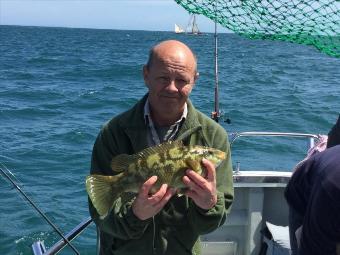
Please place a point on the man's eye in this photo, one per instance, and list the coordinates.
(164, 79)
(182, 81)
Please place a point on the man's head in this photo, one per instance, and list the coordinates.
(170, 75)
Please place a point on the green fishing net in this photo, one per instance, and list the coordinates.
(307, 22)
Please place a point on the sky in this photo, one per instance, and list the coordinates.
(155, 15)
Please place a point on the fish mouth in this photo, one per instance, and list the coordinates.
(218, 163)
(221, 155)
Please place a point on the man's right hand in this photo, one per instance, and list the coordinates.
(145, 205)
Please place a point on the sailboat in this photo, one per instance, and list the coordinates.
(192, 27)
(178, 29)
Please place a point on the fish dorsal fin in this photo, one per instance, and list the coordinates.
(121, 162)
(163, 147)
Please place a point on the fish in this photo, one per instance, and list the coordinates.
(168, 161)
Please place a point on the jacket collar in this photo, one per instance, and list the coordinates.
(133, 124)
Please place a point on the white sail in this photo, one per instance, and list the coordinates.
(178, 29)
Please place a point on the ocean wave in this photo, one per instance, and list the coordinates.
(45, 61)
(29, 113)
(17, 75)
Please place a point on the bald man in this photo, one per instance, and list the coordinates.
(163, 222)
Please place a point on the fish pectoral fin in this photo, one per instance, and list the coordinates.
(121, 163)
(193, 164)
(102, 193)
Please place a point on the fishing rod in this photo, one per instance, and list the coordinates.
(215, 115)
(37, 209)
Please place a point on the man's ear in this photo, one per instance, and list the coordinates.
(197, 74)
(146, 75)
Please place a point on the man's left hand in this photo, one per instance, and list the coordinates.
(202, 190)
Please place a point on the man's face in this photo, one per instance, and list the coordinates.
(170, 80)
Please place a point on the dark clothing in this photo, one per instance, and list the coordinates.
(176, 229)
(334, 135)
(295, 221)
(314, 193)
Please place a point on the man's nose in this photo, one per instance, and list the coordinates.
(172, 85)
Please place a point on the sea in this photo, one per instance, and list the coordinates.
(58, 86)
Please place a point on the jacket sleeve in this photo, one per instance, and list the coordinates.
(121, 221)
(206, 221)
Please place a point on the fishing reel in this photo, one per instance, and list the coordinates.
(220, 115)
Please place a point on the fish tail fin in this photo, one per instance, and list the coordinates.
(102, 192)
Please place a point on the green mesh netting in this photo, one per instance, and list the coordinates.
(307, 22)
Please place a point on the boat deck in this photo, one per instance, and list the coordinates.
(258, 199)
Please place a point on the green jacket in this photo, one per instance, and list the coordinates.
(176, 229)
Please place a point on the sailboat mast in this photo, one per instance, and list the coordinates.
(193, 28)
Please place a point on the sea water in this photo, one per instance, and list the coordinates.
(58, 86)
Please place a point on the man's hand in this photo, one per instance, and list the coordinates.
(202, 190)
(145, 205)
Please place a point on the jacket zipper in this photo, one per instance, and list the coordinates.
(153, 236)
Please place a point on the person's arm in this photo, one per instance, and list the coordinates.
(207, 219)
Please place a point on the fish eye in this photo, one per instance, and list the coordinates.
(206, 153)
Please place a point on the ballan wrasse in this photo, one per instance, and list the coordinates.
(168, 161)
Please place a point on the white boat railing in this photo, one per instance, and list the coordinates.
(312, 137)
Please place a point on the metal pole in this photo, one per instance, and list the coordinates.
(69, 236)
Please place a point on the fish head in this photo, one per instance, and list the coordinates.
(215, 156)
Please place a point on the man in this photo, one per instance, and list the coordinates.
(313, 195)
(164, 223)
